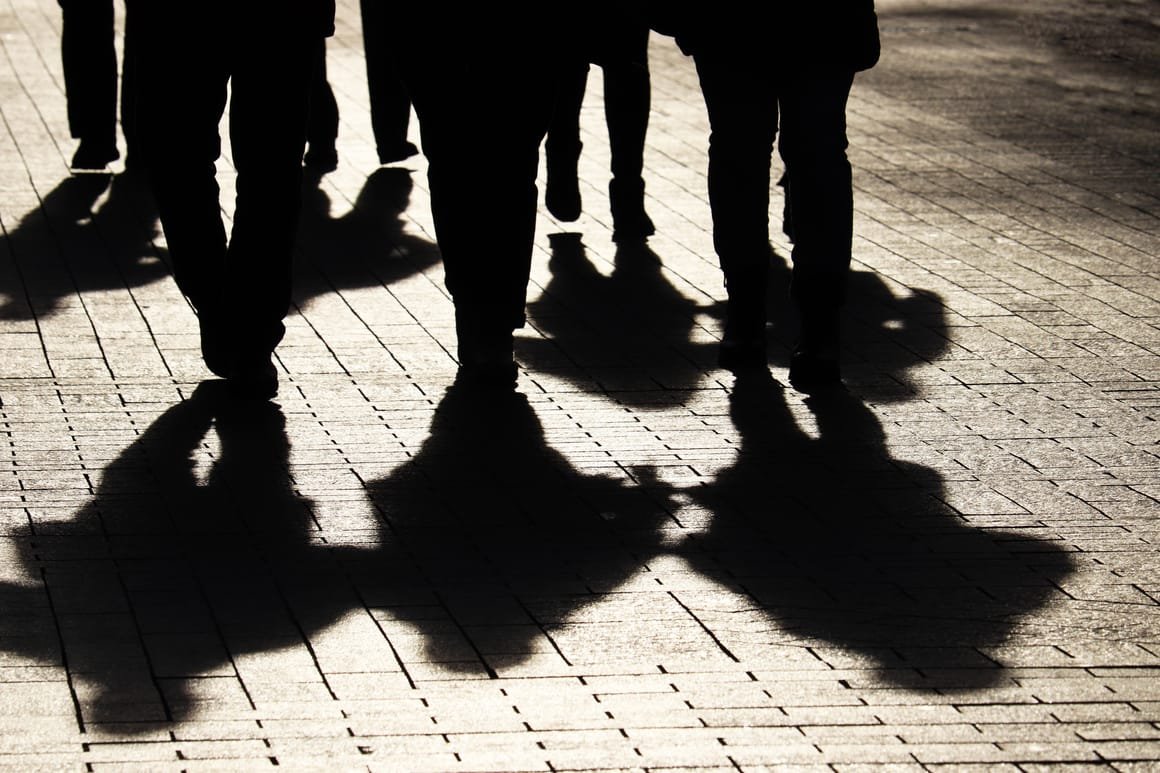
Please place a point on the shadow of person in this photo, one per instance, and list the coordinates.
(856, 554)
(634, 335)
(64, 246)
(632, 332)
(171, 576)
(494, 543)
(368, 246)
(887, 330)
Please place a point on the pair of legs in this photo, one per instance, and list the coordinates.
(89, 60)
(390, 103)
(746, 97)
(621, 51)
(240, 287)
(482, 115)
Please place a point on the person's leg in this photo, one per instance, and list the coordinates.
(182, 94)
(322, 126)
(562, 147)
(268, 115)
(741, 99)
(129, 84)
(813, 146)
(483, 204)
(627, 96)
(390, 104)
(89, 60)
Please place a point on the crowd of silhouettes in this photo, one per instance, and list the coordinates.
(499, 85)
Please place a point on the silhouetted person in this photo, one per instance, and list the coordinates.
(483, 110)
(265, 52)
(390, 104)
(620, 46)
(322, 127)
(761, 70)
(89, 59)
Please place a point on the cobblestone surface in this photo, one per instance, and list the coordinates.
(634, 563)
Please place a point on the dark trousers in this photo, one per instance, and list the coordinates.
(390, 103)
(89, 60)
(189, 56)
(482, 115)
(745, 99)
(322, 126)
(621, 51)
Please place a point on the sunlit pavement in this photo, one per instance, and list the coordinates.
(635, 562)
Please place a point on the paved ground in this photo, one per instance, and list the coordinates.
(635, 563)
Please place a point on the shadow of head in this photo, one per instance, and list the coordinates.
(75, 242)
(187, 557)
(623, 324)
(856, 553)
(491, 537)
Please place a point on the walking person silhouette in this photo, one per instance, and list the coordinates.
(89, 59)
(794, 66)
(263, 54)
(618, 43)
(483, 111)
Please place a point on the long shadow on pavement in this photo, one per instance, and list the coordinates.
(634, 336)
(366, 247)
(496, 541)
(64, 247)
(154, 594)
(844, 549)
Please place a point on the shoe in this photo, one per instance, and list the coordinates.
(216, 351)
(321, 159)
(255, 379)
(741, 355)
(488, 376)
(486, 354)
(630, 223)
(397, 152)
(743, 344)
(562, 196)
(562, 192)
(91, 155)
(814, 374)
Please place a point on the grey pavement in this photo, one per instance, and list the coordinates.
(634, 563)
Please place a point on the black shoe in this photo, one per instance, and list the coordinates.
(394, 153)
(814, 374)
(216, 351)
(742, 354)
(488, 376)
(321, 159)
(94, 156)
(630, 223)
(562, 195)
(255, 379)
(485, 352)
